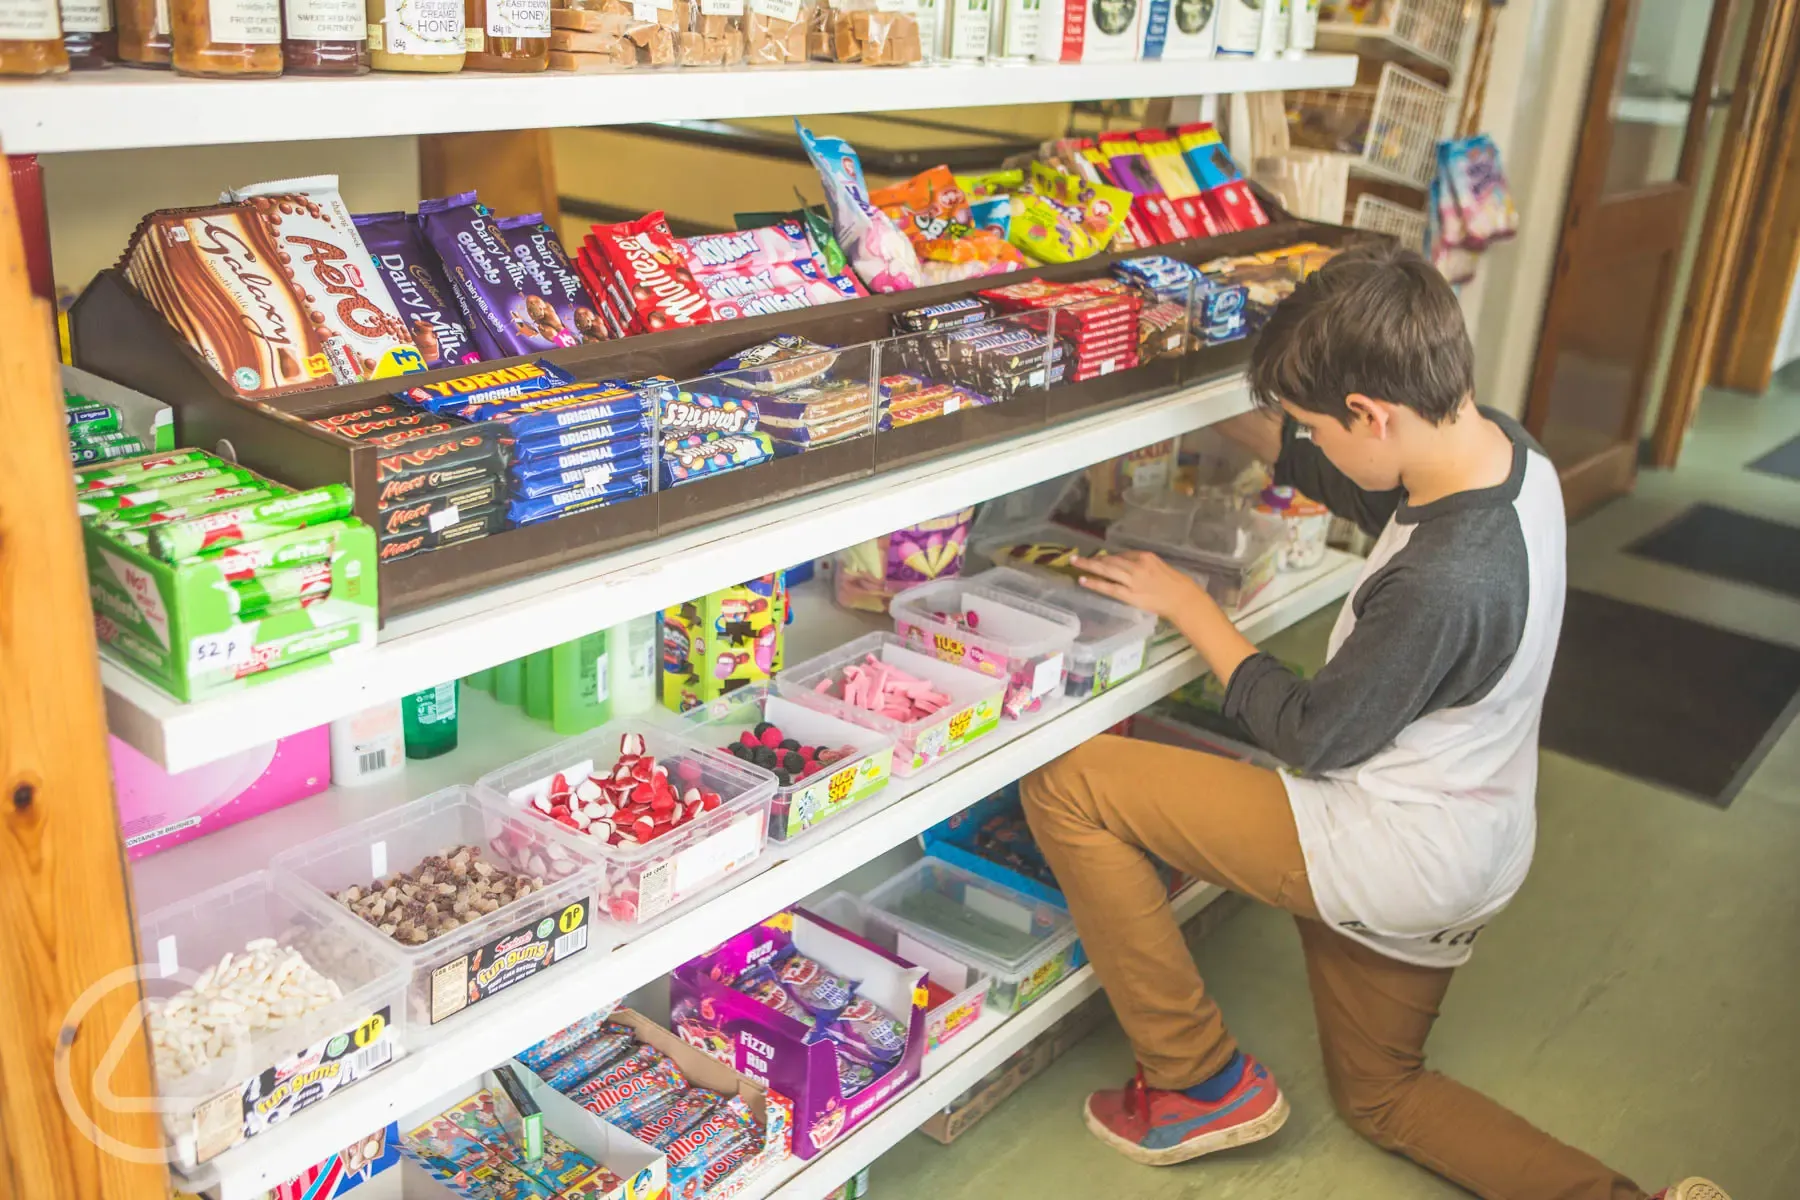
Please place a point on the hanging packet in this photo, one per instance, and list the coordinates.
(879, 253)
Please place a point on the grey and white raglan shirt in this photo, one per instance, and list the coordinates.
(1416, 744)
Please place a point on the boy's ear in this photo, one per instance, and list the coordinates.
(1367, 409)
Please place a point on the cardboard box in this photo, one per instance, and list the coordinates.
(1026, 1064)
(773, 1112)
(722, 641)
(772, 1047)
(158, 810)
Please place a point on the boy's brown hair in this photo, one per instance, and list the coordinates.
(1375, 320)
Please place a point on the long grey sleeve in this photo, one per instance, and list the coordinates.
(1304, 467)
(1435, 627)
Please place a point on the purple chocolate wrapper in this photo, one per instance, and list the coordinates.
(487, 279)
(419, 289)
(552, 277)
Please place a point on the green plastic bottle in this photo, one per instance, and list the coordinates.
(538, 685)
(428, 720)
(581, 692)
(482, 680)
(509, 682)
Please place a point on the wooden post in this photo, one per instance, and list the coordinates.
(64, 902)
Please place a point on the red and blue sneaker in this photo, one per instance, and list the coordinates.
(1693, 1189)
(1160, 1128)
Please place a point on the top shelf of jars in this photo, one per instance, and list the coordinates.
(121, 108)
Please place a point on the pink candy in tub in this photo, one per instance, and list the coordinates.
(1024, 642)
(929, 707)
(158, 810)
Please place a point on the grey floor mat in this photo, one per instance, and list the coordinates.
(1680, 704)
(1728, 544)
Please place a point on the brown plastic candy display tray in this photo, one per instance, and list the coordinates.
(120, 336)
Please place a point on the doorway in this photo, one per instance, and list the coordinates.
(1654, 102)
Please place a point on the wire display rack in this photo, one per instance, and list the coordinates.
(1431, 30)
(1389, 129)
(1378, 215)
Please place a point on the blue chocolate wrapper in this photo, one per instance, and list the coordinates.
(576, 499)
(783, 361)
(419, 289)
(533, 487)
(499, 383)
(542, 446)
(687, 459)
(579, 405)
(576, 462)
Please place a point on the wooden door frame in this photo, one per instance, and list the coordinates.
(1760, 123)
(64, 889)
(1605, 474)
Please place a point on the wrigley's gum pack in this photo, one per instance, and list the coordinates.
(247, 522)
(91, 418)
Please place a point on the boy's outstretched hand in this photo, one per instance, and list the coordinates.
(1145, 581)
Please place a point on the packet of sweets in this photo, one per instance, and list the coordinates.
(934, 212)
(277, 514)
(876, 248)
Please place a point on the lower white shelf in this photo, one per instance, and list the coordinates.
(509, 1022)
(949, 1071)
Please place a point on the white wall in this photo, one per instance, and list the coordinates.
(95, 200)
(1537, 88)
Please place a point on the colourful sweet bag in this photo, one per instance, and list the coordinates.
(1065, 218)
(870, 574)
(1471, 169)
(877, 250)
(934, 211)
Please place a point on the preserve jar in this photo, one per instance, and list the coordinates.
(416, 35)
(227, 39)
(31, 39)
(88, 34)
(507, 35)
(144, 32)
(324, 37)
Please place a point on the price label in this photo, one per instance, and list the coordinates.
(571, 918)
(370, 1031)
(220, 651)
(644, 10)
(442, 519)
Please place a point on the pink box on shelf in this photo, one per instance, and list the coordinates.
(158, 810)
(773, 1048)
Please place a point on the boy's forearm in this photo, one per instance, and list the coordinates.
(1212, 633)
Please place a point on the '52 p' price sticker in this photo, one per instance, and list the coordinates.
(220, 651)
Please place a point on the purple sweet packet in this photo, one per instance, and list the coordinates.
(866, 1031)
(556, 299)
(417, 285)
(489, 281)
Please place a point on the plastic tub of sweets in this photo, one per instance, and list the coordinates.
(803, 805)
(1020, 641)
(453, 971)
(973, 711)
(958, 991)
(1024, 946)
(640, 881)
(1043, 546)
(1114, 637)
(212, 1106)
(1231, 549)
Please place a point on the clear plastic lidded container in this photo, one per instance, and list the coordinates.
(1232, 549)
(1024, 642)
(453, 972)
(958, 991)
(362, 1031)
(1042, 546)
(806, 803)
(1114, 637)
(1024, 946)
(973, 711)
(641, 881)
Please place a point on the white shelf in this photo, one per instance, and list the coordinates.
(469, 634)
(125, 109)
(905, 809)
(948, 1072)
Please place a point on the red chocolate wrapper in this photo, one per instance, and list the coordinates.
(661, 291)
